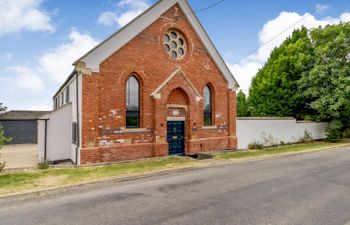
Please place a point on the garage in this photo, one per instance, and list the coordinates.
(21, 126)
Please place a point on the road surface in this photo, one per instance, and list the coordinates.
(304, 189)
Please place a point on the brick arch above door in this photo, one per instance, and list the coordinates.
(178, 97)
(177, 79)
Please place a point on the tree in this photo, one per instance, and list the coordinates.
(274, 89)
(327, 84)
(2, 108)
(242, 104)
(3, 139)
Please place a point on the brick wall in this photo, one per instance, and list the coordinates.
(104, 137)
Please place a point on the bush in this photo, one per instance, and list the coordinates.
(255, 145)
(2, 166)
(268, 140)
(307, 137)
(333, 131)
(43, 165)
(3, 140)
(346, 133)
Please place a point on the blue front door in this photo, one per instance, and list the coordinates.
(176, 137)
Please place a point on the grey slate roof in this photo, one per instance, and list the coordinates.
(22, 115)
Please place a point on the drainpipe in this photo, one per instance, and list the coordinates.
(45, 146)
(77, 108)
(45, 138)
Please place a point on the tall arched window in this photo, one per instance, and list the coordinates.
(132, 103)
(207, 100)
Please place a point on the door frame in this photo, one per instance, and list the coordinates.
(179, 119)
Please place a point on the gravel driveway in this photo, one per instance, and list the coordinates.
(19, 156)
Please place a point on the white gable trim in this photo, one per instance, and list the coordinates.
(156, 94)
(97, 55)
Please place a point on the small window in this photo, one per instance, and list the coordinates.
(58, 101)
(167, 48)
(55, 103)
(207, 101)
(166, 38)
(173, 34)
(67, 94)
(173, 45)
(74, 133)
(132, 103)
(173, 54)
(62, 98)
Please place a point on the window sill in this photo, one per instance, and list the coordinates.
(209, 127)
(134, 130)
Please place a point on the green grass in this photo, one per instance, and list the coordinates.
(275, 150)
(55, 177)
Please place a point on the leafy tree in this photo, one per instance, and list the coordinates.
(328, 82)
(3, 139)
(274, 89)
(333, 131)
(2, 108)
(242, 104)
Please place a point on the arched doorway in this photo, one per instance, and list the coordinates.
(177, 107)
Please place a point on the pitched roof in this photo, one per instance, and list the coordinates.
(93, 58)
(22, 115)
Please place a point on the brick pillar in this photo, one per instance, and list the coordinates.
(232, 139)
(160, 144)
(90, 110)
(194, 120)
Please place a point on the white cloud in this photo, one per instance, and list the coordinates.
(8, 56)
(134, 4)
(245, 69)
(321, 8)
(32, 85)
(107, 18)
(26, 79)
(57, 63)
(126, 11)
(345, 17)
(40, 107)
(18, 15)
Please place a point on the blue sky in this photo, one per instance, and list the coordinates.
(39, 39)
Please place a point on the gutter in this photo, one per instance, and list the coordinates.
(45, 139)
(78, 122)
(69, 78)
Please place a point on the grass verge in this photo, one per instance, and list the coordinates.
(57, 177)
(29, 181)
(304, 147)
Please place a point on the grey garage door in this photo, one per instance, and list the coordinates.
(21, 131)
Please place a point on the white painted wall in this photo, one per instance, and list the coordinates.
(58, 134)
(284, 129)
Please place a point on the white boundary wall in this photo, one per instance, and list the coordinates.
(58, 134)
(275, 129)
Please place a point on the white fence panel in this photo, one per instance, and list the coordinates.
(274, 130)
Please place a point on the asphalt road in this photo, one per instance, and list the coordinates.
(305, 189)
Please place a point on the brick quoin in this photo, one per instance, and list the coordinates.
(104, 137)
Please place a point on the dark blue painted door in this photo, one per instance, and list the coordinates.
(176, 137)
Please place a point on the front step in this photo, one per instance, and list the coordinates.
(201, 156)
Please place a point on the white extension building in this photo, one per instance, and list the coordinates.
(59, 138)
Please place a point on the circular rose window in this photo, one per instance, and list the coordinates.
(175, 44)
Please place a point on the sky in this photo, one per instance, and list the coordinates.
(40, 39)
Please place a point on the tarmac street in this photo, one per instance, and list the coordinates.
(304, 189)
